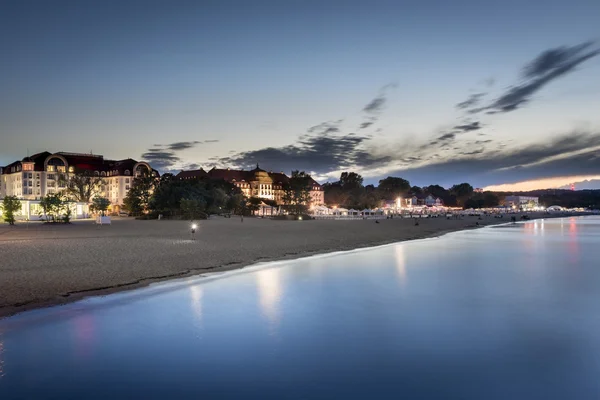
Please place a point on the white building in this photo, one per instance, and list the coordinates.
(521, 201)
(41, 174)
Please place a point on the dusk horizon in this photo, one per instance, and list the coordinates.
(434, 95)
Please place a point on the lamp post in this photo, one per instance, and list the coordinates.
(194, 227)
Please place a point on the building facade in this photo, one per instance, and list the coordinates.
(521, 201)
(44, 173)
(256, 183)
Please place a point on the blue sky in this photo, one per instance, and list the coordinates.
(190, 83)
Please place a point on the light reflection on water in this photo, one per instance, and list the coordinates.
(495, 313)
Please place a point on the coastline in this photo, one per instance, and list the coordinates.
(48, 281)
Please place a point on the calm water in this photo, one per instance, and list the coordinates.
(497, 313)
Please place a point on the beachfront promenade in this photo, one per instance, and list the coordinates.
(46, 264)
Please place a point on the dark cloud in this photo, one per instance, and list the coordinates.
(545, 68)
(473, 126)
(211, 141)
(473, 100)
(570, 154)
(161, 160)
(325, 128)
(447, 136)
(320, 153)
(365, 125)
(178, 146)
(376, 105)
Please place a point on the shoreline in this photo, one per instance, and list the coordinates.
(223, 262)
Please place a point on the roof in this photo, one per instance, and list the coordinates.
(81, 161)
(192, 174)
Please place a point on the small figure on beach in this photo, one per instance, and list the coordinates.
(417, 223)
(513, 219)
(376, 221)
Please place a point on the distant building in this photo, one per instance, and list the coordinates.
(255, 183)
(521, 201)
(419, 201)
(478, 190)
(34, 177)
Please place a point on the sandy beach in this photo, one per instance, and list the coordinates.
(43, 265)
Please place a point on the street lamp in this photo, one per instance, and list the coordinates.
(194, 227)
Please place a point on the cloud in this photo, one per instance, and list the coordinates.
(177, 146)
(365, 125)
(473, 126)
(211, 141)
(573, 153)
(473, 100)
(320, 153)
(325, 128)
(548, 66)
(163, 156)
(160, 160)
(447, 136)
(376, 105)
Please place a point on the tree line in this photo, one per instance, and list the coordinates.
(350, 192)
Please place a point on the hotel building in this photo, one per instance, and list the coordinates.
(256, 183)
(34, 177)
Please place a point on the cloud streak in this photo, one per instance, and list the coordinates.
(545, 68)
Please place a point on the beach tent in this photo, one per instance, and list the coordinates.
(366, 211)
(352, 211)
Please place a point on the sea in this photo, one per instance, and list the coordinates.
(505, 312)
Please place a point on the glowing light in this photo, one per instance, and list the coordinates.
(269, 291)
(194, 226)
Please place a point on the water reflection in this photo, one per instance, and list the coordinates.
(84, 334)
(268, 282)
(400, 259)
(196, 301)
(1, 357)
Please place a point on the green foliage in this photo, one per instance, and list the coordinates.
(192, 208)
(55, 208)
(10, 205)
(138, 198)
(462, 192)
(296, 193)
(350, 180)
(483, 200)
(391, 188)
(81, 186)
(214, 196)
(100, 204)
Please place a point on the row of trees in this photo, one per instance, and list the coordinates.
(349, 191)
(198, 198)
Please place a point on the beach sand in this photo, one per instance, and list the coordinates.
(43, 265)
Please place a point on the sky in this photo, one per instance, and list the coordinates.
(498, 94)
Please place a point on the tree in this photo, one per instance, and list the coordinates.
(296, 193)
(192, 208)
(138, 198)
(235, 203)
(100, 204)
(81, 186)
(253, 204)
(462, 192)
(10, 205)
(391, 187)
(55, 208)
(416, 191)
(350, 180)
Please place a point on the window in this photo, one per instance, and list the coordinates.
(30, 191)
(30, 175)
(30, 184)
(127, 187)
(51, 176)
(71, 169)
(126, 180)
(27, 167)
(102, 173)
(127, 172)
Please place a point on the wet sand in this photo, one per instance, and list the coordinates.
(42, 265)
